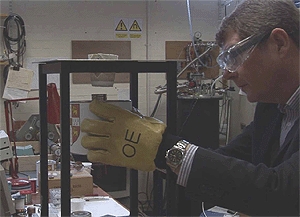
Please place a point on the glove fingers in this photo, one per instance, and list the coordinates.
(95, 127)
(95, 142)
(108, 111)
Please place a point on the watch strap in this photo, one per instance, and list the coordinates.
(182, 146)
(167, 142)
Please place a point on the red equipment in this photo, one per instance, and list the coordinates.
(53, 107)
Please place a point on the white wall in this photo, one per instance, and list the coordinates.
(52, 25)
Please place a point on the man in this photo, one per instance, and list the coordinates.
(257, 173)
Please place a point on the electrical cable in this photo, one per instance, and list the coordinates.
(141, 213)
(191, 28)
(226, 99)
(156, 105)
(203, 211)
(202, 44)
(223, 121)
(213, 84)
(228, 111)
(14, 39)
(163, 89)
(187, 118)
(146, 193)
(221, 114)
(191, 32)
(190, 63)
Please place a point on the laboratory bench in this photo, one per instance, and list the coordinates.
(98, 203)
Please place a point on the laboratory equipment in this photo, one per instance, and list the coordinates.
(6, 205)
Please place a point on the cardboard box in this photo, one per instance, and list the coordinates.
(81, 183)
(27, 163)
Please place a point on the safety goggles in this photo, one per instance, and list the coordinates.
(232, 58)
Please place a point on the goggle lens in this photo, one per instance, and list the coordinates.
(232, 58)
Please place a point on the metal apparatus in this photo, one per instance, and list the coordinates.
(31, 130)
(55, 148)
(201, 71)
(199, 83)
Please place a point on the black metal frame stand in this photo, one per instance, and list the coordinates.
(64, 68)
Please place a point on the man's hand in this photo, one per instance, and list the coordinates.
(121, 138)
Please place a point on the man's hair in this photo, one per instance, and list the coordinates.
(257, 16)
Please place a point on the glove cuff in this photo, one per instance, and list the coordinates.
(168, 141)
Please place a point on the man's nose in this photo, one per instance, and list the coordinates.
(229, 75)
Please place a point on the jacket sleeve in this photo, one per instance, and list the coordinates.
(242, 186)
(241, 146)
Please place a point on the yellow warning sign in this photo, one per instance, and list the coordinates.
(121, 26)
(135, 26)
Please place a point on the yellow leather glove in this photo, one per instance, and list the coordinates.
(121, 138)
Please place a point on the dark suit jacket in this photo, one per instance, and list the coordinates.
(251, 174)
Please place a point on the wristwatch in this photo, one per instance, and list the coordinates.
(175, 155)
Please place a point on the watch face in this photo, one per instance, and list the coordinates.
(175, 156)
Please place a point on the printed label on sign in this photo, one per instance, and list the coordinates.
(118, 35)
(135, 35)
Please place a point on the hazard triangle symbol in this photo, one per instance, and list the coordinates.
(135, 26)
(121, 26)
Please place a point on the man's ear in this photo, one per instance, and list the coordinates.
(280, 40)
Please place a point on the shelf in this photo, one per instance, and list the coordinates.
(4, 63)
(3, 16)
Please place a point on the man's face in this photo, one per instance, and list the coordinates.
(255, 76)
